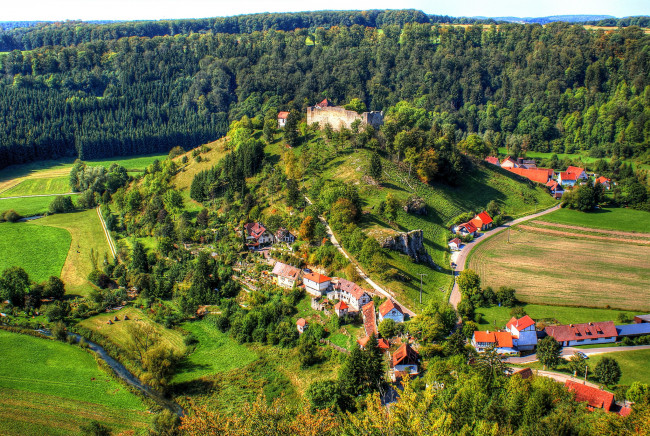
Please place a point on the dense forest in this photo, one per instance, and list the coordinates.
(558, 88)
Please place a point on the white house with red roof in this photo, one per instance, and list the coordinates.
(256, 234)
(341, 309)
(282, 119)
(465, 229)
(404, 360)
(567, 179)
(523, 332)
(301, 325)
(583, 334)
(455, 244)
(578, 172)
(391, 310)
(493, 160)
(350, 292)
(556, 189)
(509, 162)
(501, 341)
(286, 276)
(482, 221)
(603, 181)
(316, 284)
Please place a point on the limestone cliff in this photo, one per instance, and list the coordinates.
(411, 244)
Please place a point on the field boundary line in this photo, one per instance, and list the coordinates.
(111, 245)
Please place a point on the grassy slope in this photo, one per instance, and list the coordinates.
(40, 250)
(628, 220)
(476, 190)
(55, 185)
(499, 316)
(49, 387)
(87, 235)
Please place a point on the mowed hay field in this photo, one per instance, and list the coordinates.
(559, 266)
(28, 206)
(38, 186)
(39, 250)
(52, 388)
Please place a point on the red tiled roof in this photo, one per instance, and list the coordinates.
(389, 305)
(471, 228)
(575, 170)
(508, 159)
(625, 411)
(602, 180)
(316, 277)
(493, 160)
(340, 305)
(484, 217)
(405, 355)
(284, 270)
(500, 339)
(595, 398)
(255, 229)
(381, 343)
(521, 323)
(324, 103)
(539, 175)
(573, 332)
(301, 322)
(456, 241)
(283, 115)
(369, 322)
(351, 288)
(554, 185)
(564, 175)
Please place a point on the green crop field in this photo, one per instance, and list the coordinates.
(215, 352)
(38, 186)
(627, 220)
(29, 206)
(87, 234)
(49, 387)
(39, 250)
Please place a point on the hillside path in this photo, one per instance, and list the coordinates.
(567, 352)
(360, 271)
(455, 296)
(109, 239)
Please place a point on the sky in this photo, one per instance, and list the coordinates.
(56, 10)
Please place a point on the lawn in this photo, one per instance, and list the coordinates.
(23, 244)
(49, 387)
(29, 206)
(87, 234)
(627, 220)
(561, 270)
(215, 352)
(495, 316)
(37, 186)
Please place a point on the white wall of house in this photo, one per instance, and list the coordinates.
(286, 282)
(566, 182)
(588, 341)
(281, 122)
(394, 314)
(349, 298)
(315, 288)
(526, 341)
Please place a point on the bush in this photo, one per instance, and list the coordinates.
(58, 331)
(10, 216)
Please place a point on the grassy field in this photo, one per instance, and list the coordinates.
(627, 220)
(634, 366)
(444, 203)
(495, 316)
(22, 244)
(48, 387)
(117, 332)
(87, 235)
(566, 269)
(215, 352)
(27, 206)
(183, 179)
(54, 185)
(582, 156)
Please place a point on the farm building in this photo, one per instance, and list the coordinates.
(583, 334)
(286, 276)
(642, 318)
(482, 221)
(391, 310)
(595, 398)
(465, 229)
(633, 330)
(404, 360)
(316, 284)
(455, 244)
(282, 119)
(501, 341)
(539, 175)
(524, 334)
(349, 292)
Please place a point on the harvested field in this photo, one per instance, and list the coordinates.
(581, 270)
(582, 235)
(589, 229)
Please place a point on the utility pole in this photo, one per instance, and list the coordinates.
(508, 234)
(421, 275)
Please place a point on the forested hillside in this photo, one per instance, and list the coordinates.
(557, 88)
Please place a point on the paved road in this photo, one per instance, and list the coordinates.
(360, 271)
(567, 352)
(455, 296)
(39, 195)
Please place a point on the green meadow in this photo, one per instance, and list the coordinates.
(627, 220)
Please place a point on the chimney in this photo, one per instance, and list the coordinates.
(571, 325)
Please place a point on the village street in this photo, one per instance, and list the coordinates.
(461, 258)
(567, 352)
(361, 273)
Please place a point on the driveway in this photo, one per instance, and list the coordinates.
(567, 352)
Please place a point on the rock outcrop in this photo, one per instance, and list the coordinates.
(411, 244)
(415, 205)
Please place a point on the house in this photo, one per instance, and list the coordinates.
(526, 163)
(465, 229)
(341, 309)
(391, 310)
(287, 276)
(523, 332)
(301, 324)
(501, 341)
(381, 343)
(642, 318)
(324, 103)
(493, 160)
(555, 188)
(633, 330)
(539, 175)
(282, 119)
(567, 179)
(603, 181)
(594, 397)
(316, 284)
(583, 334)
(455, 244)
(405, 359)
(284, 235)
(256, 235)
(349, 292)
(508, 162)
(482, 221)
(369, 319)
(578, 172)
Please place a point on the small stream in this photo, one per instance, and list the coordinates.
(123, 373)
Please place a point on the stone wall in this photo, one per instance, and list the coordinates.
(338, 117)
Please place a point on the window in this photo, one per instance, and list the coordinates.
(581, 340)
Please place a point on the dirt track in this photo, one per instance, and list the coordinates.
(589, 229)
(583, 236)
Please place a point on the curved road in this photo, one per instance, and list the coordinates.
(455, 296)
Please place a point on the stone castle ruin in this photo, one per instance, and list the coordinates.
(336, 116)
